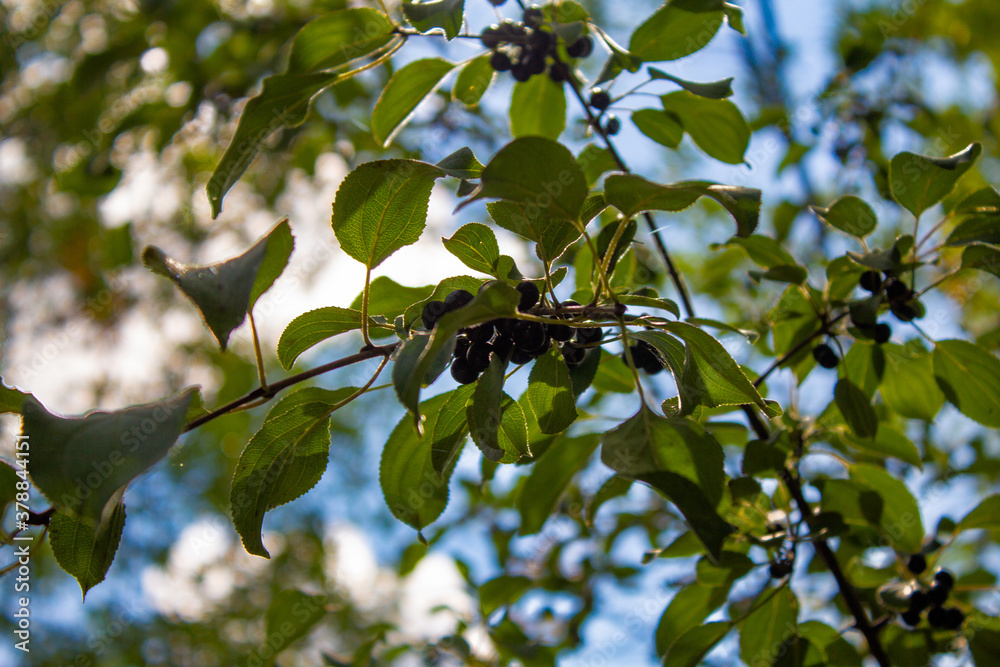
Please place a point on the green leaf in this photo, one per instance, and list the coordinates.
(224, 292)
(827, 648)
(429, 14)
(407, 380)
(660, 126)
(650, 302)
(856, 408)
(686, 611)
(985, 515)
(909, 386)
(889, 441)
(984, 645)
(550, 392)
(338, 38)
(969, 376)
(537, 173)
(283, 460)
(632, 194)
(451, 428)
(85, 547)
(381, 207)
(691, 647)
(551, 235)
(595, 161)
(538, 107)
(438, 292)
(313, 327)
(864, 365)
(763, 250)
(982, 257)
(677, 29)
(473, 81)
(389, 299)
(290, 616)
(980, 227)
(461, 164)
(549, 478)
(615, 486)
(918, 182)
(850, 215)
(282, 102)
(476, 246)
(873, 497)
(710, 374)
(496, 300)
(485, 412)
(279, 245)
(765, 632)
(414, 492)
(403, 93)
(11, 399)
(82, 463)
(715, 90)
(678, 459)
(716, 126)
(503, 590)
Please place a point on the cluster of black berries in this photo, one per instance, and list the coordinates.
(528, 48)
(644, 357)
(902, 300)
(600, 100)
(780, 568)
(518, 341)
(939, 616)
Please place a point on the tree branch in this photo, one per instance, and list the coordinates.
(271, 390)
(661, 247)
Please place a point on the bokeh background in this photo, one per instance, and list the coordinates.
(113, 115)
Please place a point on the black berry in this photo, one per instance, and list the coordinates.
(502, 345)
(944, 578)
(919, 601)
(520, 72)
(519, 356)
(645, 358)
(589, 336)
(581, 48)
(883, 332)
(904, 312)
(937, 617)
(529, 336)
(500, 61)
(911, 618)
(916, 564)
(492, 37)
(511, 29)
(497, 3)
(937, 594)
(825, 356)
(896, 290)
(871, 281)
(478, 356)
(954, 618)
(462, 372)
(780, 569)
(529, 295)
(533, 17)
(559, 332)
(432, 312)
(461, 346)
(540, 41)
(573, 355)
(481, 333)
(558, 72)
(599, 99)
(613, 126)
(533, 63)
(457, 299)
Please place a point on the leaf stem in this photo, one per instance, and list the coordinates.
(364, 307)
(256, 351)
